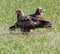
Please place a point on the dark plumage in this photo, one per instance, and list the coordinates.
(38, 14)
(26, 23)
(20, 18)
(26, 26)
(20, 14)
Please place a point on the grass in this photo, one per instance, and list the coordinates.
(42, 41)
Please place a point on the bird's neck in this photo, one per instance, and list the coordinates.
(18, 15)
(37, 13)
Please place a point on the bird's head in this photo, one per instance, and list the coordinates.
(39, 10)
(20, 12)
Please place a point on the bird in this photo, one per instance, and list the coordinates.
(38, 14)
(26, 26)
(19, 13)
(27, 23)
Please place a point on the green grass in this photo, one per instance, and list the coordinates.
(42, 41)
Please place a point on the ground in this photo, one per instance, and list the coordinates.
(42, 41)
